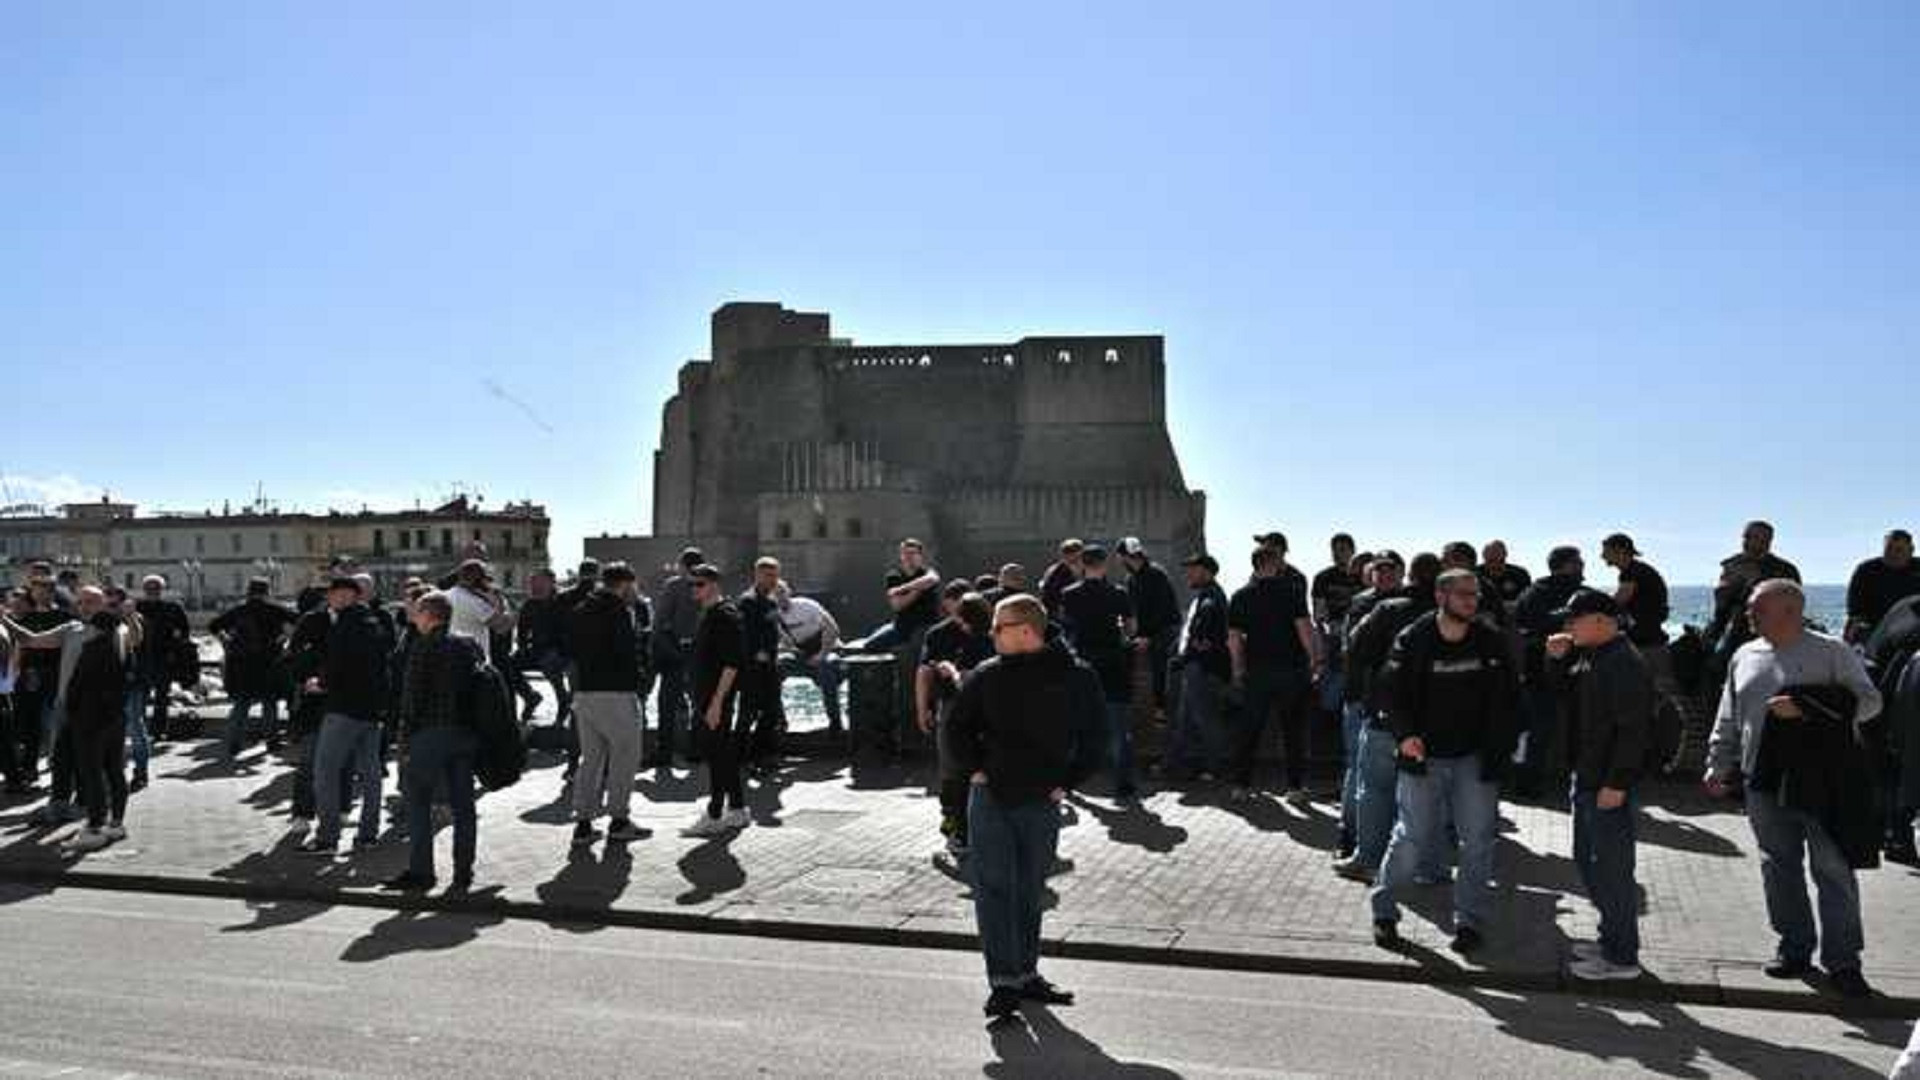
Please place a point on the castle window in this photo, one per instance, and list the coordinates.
(783, 531)
(853, 528)
(1007, 360)
(925, 360)
(1113, 356)
(1064, 357)
(820, 528)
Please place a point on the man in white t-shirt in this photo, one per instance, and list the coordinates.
(809, 637)
(478, 610)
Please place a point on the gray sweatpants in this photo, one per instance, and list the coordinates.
(609, 727)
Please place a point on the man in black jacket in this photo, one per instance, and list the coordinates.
(719, 655)
(163, 634)
(1275, 660)
(1156, 613)
(436, 727)
(1099, 623)
(1452, 691)
(1609, 691)
(1369, 646)
(606, 706)
(1543, 768)
(353, 677)
(1026, 728)
(1205, 671)
(761, 714)
(250, 636)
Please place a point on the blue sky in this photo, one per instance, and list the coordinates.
(1425, 271)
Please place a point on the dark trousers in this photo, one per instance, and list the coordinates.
(1013, 848)
(724, 788)
(1540, 769)
(674, 714)
(1159, 651)
(440, 759)
(1271, 690)
(61, 765)
(953, 783)
(1603, 853)
(20, 737)
(762, 716)
(101, 759)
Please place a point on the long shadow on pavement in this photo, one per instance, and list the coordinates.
(712, 870)
(1674, 1044)
(588, 882)
(421, 931)
(1037, 1044)
(1136, 825)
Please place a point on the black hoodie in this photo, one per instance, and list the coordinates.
(1032, 722)
(605, 646)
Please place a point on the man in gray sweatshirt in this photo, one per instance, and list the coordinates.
(1787, 654)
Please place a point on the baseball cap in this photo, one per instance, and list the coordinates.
(1588, 602)
(1275, 539)
(1093, 553)
(1201, 558)
(1130, 547)
(1620, 540)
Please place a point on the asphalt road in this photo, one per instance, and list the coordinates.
(119, 984)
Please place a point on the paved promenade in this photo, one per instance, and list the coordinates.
(1185, 878)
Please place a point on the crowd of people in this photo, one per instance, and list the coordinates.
(1452, 678)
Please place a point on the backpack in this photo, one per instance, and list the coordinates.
(502, 754)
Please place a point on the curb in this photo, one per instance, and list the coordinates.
(1447, 974)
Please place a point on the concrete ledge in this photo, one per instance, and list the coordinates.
(1688, 981)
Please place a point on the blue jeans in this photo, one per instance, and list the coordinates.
(1375, 790)
(1789, 839)
(826, 675)
(1197, 720)
(242, 712)
(440, 759)
(133, 709)
(1120, 745)
(348, 746)
(1603, 852)
(1353, 724)
(1013, 848)
(1424, 799)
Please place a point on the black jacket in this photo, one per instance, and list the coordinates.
(1371, 641)
(1611, 694)
(437, 681)
(96, 694)
(1825, 765)
(1155, 607)
(250, 636)
(1534, 618)
(1032, 722)
(1450, 708)
(542, 625)
(605, 644)
(354, 670)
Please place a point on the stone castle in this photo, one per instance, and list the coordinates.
(823, 453)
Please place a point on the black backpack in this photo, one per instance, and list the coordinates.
(502, 755)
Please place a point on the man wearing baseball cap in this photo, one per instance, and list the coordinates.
(1156, 612)
(1609, 696)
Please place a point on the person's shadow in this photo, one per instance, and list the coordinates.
(1675, 1044)
(423, 931)
(710, 870)
(1136, 825)
(1036, 1044)
(587, 883)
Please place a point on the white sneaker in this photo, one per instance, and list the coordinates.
(704, 826)
(87, 840)
(1601, 969)
(1588, 950)
(299, 826)
(736, 818)
(115, 831)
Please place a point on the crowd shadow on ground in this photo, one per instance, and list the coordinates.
(589, 883)
(1036, 1044)
(1134, 824)
(1672, 1042)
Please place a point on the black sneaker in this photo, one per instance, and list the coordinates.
(1466, 939)
(1386, 934)
(407, 882)
(138, 783)
(462, 882)
(1850, 983)
(1044, 992)
(312, 846)
(584, 833)
(1002, 1003)
(1784, 968)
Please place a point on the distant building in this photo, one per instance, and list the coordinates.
(825, 453)
(207, 558)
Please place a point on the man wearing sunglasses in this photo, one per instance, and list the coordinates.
(1028, 725)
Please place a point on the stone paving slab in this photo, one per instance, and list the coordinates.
(839, 851)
